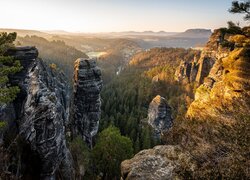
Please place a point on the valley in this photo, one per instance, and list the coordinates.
(127, 105)
(93, 54)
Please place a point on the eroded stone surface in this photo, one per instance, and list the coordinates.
(40, 115)
(159, 115)
(86, 106)
(161, 162)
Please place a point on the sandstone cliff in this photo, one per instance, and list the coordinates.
(199, 68)
(225, 92)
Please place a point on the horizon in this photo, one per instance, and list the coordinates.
(117, 16)
(81, 32)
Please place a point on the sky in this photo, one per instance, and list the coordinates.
(116, 15)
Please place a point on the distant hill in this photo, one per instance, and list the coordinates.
(195, 33)
(87, 42)
(133, 34)
(24, 32)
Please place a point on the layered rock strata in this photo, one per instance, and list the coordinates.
(86, 105)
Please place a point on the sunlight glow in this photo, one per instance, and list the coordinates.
(115, 15)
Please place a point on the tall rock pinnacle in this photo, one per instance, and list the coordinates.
(86, 107)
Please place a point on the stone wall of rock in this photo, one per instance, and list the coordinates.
(86, 104)
(159, 116)
(183, 71)
(37, 123)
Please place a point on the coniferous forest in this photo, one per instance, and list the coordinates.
(98, 100)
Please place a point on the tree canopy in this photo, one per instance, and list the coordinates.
(110, 150)
(241, 8)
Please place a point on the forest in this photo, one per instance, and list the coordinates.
(55, 52)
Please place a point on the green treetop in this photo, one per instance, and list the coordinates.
(111, 149)
(8, 66)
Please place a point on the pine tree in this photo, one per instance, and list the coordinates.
(146, 138)
(241, 8)
(8, 66)
(137, 145)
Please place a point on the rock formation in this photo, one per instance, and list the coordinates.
(224, 95)
(41, 113)
(198, 69)
(39, 116)
(159, 115)
(161, 162)
(87, 102)
(183, 71)
(225, 92)
(223, 77)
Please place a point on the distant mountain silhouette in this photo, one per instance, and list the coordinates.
(195, 33)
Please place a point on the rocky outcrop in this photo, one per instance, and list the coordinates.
(45, 114)
(34, 142)
(161, 162)
(39, 115)
(204, 64)
(24, 53)
(87, 102)
(198, 69)
(225, 93)
(187, 71)
(159, 116)
(183, 71)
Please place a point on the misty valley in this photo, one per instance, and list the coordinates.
(128, 105)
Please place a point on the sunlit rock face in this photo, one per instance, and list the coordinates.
(41, 113)
(197, 70)
(225, 93)
(159, 115)
(161, 162)
(86, 107)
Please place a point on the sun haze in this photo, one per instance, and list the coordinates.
(116, 15)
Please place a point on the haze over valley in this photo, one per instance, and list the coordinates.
(127, 90)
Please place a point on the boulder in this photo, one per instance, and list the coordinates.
(161, 162)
